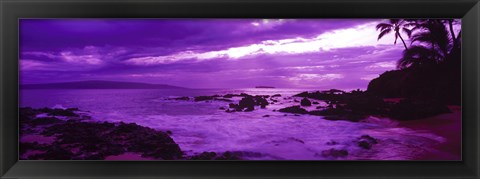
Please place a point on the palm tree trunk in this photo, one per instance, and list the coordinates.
(450, 24)
(405, 45)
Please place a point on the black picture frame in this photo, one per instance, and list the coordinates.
(12, 10)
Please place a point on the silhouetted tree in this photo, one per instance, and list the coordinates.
(430, 44)
(394, 26)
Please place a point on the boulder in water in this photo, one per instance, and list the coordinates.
(305, 102)
(334, 153)
(294, 110)
(366, 142)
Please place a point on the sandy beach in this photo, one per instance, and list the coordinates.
(448, 126)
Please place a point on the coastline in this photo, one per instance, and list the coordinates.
(444, 126)
(447, 126)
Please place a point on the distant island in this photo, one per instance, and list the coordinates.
(98, 84)
(264, 87)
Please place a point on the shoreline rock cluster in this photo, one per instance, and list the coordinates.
(74, 136)
(358, 105)
(246, 104)
(351, 106)
(77, 138)
(364, 142)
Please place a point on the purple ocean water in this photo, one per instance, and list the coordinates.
(201, 126)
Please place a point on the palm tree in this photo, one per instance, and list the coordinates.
(436, 35)
(395, 26)
(416, 56)
(452, 32)
(432, 45)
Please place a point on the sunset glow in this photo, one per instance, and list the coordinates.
(303, 51)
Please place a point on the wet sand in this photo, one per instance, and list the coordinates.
(448, 126)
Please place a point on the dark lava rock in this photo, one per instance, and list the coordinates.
(77, 140)
(235, 95)
(329, 95)
(25, 146)
(204, 156)
(230, 156)
(246, 102)
(364, 104)
(369, 139)
(366, 141)
(294, 110)
(262, 96)
(266, 115)
(27, 113)
(214, 156)
(59, 112)
(276, 95)
(409, 109)
(302, 94)
(29, 121)
(229, 96)
(221, 108)
(203, 98)
(335, 153)
(260, 101)
(53, 153)
(441, 82)
(44, 121)
(184, 98)
(249, 109)
(338, 114)
(357, 102)
(235, 107)
(314, 102)
(364, 144)
(305, 102)
(221, 99)
(332, 142)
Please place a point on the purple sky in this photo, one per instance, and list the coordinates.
(207, 53)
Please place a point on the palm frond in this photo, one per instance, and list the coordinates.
(407, 31)
(383, 26)
(394, 21)
(383, 33)
(416, 55)
(422, 37)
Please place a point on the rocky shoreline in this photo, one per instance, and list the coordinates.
(74, 136)
(351, 106)
(357, 105)
(71, 134)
